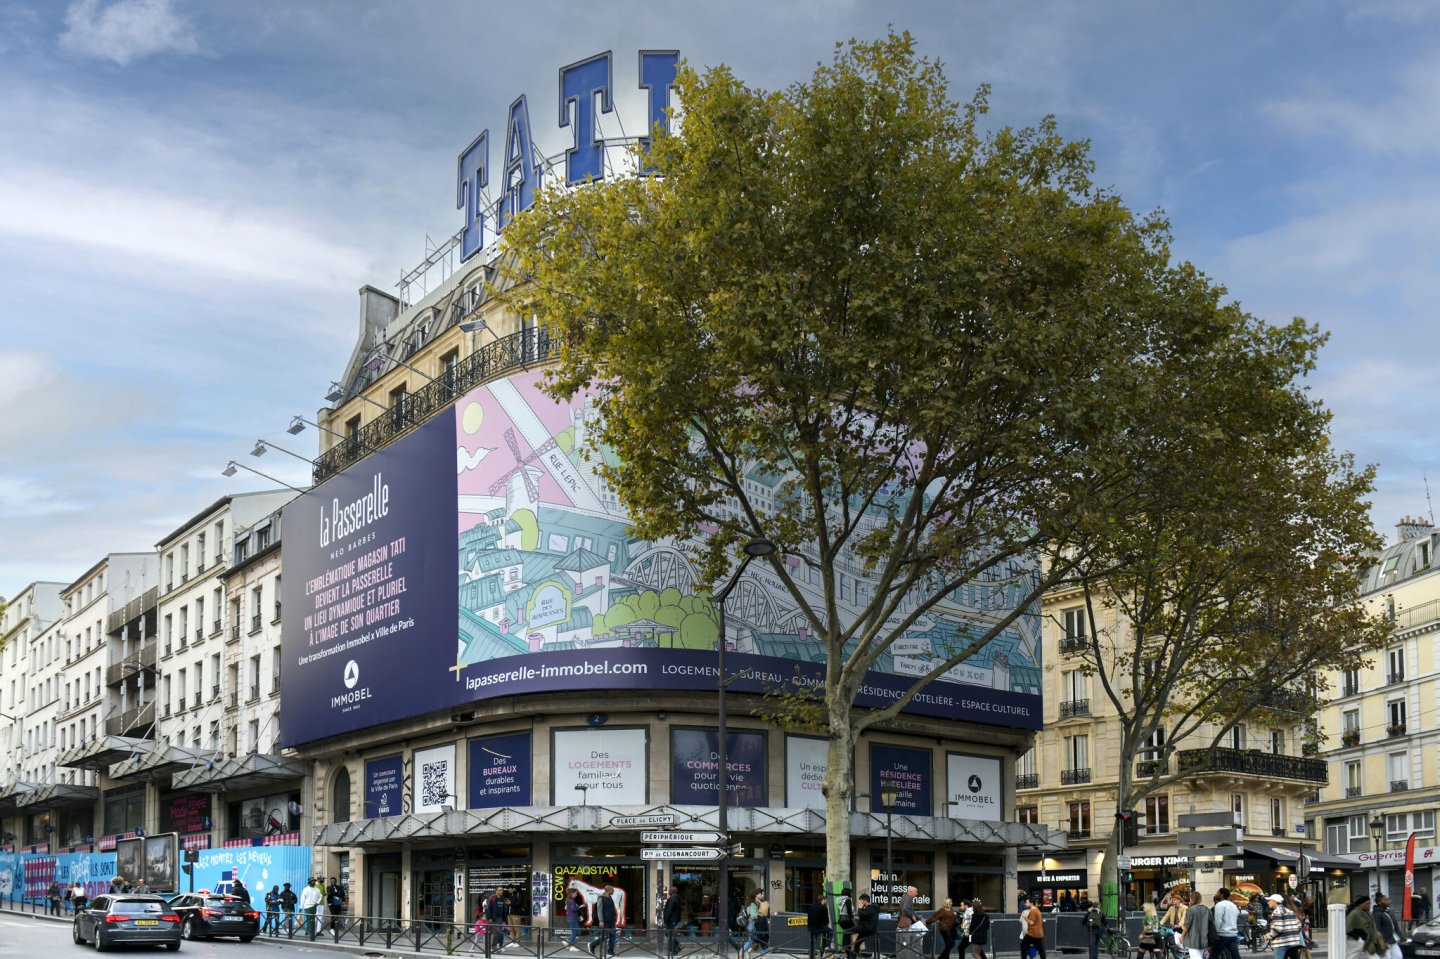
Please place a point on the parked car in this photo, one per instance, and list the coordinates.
(205, 914)
(113, 920)
(1423, 941)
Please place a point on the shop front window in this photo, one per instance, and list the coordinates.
(977, 877)
(506, 868)
(590, 869)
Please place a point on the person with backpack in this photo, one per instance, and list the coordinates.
(609, 918)
(946, 923)
(334, 903)
(1095, 928)
(288, 901)
(759, 933)
(497, 920)
(272, 911)
(1195, 936)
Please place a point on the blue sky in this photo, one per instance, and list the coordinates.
(192, 193)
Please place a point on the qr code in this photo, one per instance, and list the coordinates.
(434, 783)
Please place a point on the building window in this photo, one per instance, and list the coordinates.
(1077, 761)
(1399, 826)
(1237, 736)
(1397, 771)
(1157, 815)
(1395, 717)
(1026, 776)
(1350, 682)
(1079, 821)
(1025, 814)
(1277, 816)
(1277, 742)
(1073, 622)
(1395, 661)
(340, 807)
(1237, 806)
(1353, 783)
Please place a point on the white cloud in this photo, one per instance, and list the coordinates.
(1407, 122)
(126, 30)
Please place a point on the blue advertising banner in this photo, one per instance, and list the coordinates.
(500, 771)
(384, 782)
(29, 875)
(694, 767)
(555, 593)
(260, 867)
(908, 772)
(370, 589)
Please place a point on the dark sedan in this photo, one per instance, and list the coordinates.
(110, 921)
(1423, 942)
(204, 915)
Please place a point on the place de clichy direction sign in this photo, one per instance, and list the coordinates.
(630, 822)
(581, 85)
(701, 837)
(692, 854)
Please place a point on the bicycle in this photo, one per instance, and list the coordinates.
(1114, 944)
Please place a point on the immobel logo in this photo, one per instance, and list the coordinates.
(974, 782)
(353, 691)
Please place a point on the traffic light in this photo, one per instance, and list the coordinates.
(1129, 827)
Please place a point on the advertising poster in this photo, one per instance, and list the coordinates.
(434, 779)
(162, 861)
(260, 867)
(27, 875)
(383, 786)
(973, 784)
(130, 859)
(185, 814)
(805, 761)
(554, 593)
(500, 771)
(907, 771)
(609, 763)
(269, 816)
(591, 879)
(694, 767)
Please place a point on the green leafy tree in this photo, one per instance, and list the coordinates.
(954, 350)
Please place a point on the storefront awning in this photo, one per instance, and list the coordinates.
(229, 774)
(752, 820)
(57, 796)
(159, 762)
(101, 752)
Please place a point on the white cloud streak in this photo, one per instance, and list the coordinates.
(126, 30)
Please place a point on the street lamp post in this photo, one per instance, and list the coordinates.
(888, 795)
(753, 549)
(1377, 835)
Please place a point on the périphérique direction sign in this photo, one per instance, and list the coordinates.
(700, 837)
(690, 854)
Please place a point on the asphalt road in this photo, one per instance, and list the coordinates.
(23, 937)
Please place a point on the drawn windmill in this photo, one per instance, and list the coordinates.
(521, 485)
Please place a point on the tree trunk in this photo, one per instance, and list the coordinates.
(839, 787)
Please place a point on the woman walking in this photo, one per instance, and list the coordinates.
(1362, 939)
(979, 930)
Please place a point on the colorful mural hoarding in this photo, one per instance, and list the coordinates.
(909, 772)
(694, 767)
(500, 771)
(410, 588)
(260, 867)
(28, 876)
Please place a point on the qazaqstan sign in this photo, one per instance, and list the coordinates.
(483, 555)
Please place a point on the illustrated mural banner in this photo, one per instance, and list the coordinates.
(694, 767)
(500, 771)
(554, 593)
(383, 786)
(28, 875)
(260, 867)
(609, 763)
(908, 771)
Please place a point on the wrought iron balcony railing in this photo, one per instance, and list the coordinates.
(1075, 707)
(1353, 792)
(1146, 768)
(1253, 762)
(517, 351)
(1027, 781)
(1073, 644)
(1074, 777)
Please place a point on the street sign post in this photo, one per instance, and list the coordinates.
(658, 819)
(701, 837)
(692, 854)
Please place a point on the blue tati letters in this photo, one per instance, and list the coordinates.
(472, 177)
(520, 177)
(579, 83)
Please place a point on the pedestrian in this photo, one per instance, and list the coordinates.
(497, 919)
(288, 900)
(1362, 940)
(608, 940)
(574, 909)
(1150, 931)
(1385, 925)
(867, 924)
(272, 911)
(752, 912)
(670, 919)
(1285, 932)
(1195, 936)
(1032, 932)
(761, 936)
(1174, 919)
(239, 891)
(334, 903)
(946, 923)
(78, 899)
(310, 899)
(1226, 917)
(1094, 927)
(53, 894)
(979, 934)
(817, 923)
